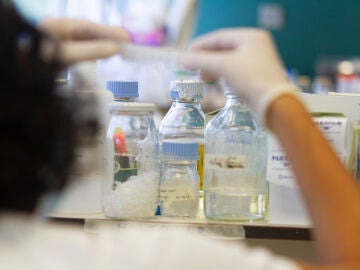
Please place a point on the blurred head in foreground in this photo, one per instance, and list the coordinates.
(38, 127)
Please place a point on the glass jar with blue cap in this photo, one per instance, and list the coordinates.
(179, 184)
(131, 161)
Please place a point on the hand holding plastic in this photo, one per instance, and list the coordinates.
(84, 40)
(247, 60)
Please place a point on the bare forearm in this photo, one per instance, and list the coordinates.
(330, 192)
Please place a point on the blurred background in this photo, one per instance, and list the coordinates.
(319, 41)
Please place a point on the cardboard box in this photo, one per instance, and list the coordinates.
(335, 116)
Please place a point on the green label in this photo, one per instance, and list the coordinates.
(123, 170)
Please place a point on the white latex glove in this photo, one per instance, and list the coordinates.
(83, 40)
(248, 61)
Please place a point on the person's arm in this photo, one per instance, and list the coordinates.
(331, 193)
(248, 61)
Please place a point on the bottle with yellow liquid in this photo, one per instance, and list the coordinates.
(185, 119)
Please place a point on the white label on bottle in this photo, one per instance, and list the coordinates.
(225, 162)
(175, 193)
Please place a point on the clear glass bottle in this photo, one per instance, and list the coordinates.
(235, 186)
(131, 162)
(179, 184)
(185, 119)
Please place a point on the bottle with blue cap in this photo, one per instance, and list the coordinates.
(235, 186)
(131, 162)
(179, 185)
(185, 119)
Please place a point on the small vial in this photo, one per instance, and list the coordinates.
(179, 185)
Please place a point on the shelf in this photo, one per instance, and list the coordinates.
(229, 230)
(93, 221)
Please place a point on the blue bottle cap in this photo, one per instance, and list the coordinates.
(123, 89)
(181, 150)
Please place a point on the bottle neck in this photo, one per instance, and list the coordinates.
(179, 162)
(125, 99)
(232, 99)
(143, 114)
(186, 103)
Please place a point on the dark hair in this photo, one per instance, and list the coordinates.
(38, 131)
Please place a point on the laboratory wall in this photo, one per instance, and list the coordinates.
(312, 29)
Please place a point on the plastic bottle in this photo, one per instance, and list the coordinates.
(179, 185)
(235, 187)
(185, 118)
(131, 162)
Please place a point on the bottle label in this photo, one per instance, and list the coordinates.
(169, 194)
(225, 162)
(122, 170)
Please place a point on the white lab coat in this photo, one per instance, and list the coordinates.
(28, 243)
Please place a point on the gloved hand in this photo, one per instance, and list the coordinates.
(83, 40)
(247, 60)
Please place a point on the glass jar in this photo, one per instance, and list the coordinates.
(179, 184)
(235, 186)
(131, 162)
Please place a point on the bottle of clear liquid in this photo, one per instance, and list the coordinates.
(131, 163)
(179, 184)
(185, 118)
(235, 187)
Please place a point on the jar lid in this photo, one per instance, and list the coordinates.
(131, 107)
(181, 150)
(186, 89)
(123, 89)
